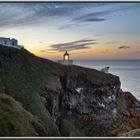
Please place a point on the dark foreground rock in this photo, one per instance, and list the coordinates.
(68, 100)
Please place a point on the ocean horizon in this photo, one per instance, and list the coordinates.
(127, 69)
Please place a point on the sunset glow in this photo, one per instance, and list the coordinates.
(85, 30)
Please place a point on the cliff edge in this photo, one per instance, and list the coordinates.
(68, 100)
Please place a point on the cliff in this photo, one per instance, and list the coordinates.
(68, 100)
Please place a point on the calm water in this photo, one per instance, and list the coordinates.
(127, 70)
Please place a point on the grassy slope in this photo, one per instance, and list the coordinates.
(15, 121)
(22, 77)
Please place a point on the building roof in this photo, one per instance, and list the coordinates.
(13, 39)
(66, 53)
(8, 38)
(4, 38)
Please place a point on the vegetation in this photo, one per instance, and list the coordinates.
(22, 75)
(16, 121)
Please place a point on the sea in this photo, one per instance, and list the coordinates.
(127, 70)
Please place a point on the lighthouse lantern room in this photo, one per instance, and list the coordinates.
(66, 60)
(66, 56)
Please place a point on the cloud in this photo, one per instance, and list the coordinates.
(23, 14)
(93, 19)
(99, 16)
(75, 45)
(113, 42)
(48, 51)
(124, 47)
(90, 17)
(26, 14)
(96, 16)
(14, 15)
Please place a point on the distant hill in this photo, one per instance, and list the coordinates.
(66, 100)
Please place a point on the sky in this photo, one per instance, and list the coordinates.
(85, 30)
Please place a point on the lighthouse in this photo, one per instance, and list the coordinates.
(66, 60)
(66, 56)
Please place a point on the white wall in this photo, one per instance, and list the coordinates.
(9, 42)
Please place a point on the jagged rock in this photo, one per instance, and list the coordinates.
(132, 133)
(104, 102)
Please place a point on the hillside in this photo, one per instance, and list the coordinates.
(16, 121)
(67, 100)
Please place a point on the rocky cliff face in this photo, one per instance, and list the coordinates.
(93, 103)
(68, 100)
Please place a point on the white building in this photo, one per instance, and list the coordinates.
(105, 70)
(10, 43)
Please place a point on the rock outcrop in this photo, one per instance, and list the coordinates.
(132, 133)
(68, 100)
(93, 102)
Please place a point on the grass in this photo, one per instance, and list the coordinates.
(15, 120)
(22, 76)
